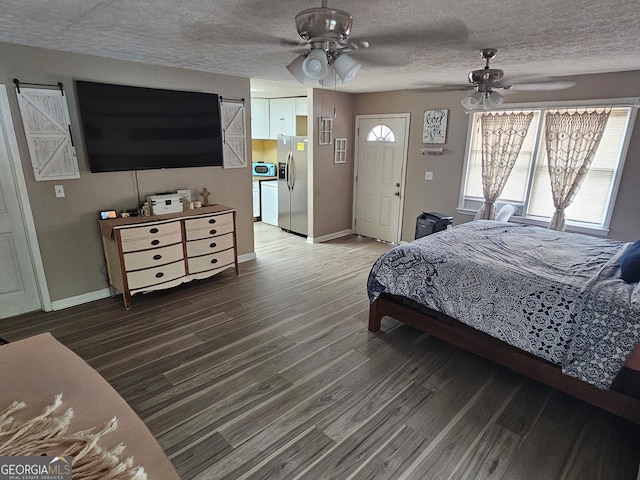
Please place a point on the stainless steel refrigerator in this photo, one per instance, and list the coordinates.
(293, 166)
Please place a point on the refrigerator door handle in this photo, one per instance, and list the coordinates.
(292, 172)
(288, 170)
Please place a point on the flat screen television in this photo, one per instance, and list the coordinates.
(136, 128)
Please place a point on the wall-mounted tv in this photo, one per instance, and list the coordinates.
(135, 128)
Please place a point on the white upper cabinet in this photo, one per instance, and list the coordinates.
(301, 107)
(282, 117)
(276, 116)
(260, 118)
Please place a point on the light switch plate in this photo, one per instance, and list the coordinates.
(428, 175)
(59, 189)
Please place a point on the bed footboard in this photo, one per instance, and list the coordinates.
(463, 336)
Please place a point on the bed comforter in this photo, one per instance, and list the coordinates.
(556, 295)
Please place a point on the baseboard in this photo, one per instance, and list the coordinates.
(331, 236)
(247, 257)
(106, 292)
(80, 299)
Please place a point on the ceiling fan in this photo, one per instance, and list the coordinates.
(487, 80)
(329, 46)
(326, 31)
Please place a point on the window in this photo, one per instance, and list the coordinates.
(381, 133)
(528, 187)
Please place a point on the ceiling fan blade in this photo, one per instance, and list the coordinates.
(372, 58)
(542, 86)
(290, 43)
(446, 32)
(355, 44)
(447, 88)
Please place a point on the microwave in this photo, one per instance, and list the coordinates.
(262, 169)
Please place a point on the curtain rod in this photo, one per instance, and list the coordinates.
(57, 85)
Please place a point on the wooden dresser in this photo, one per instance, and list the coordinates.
(161, 251)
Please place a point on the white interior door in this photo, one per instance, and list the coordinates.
(381, 159)
(18, 286)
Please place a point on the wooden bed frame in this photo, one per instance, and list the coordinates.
(463, 336)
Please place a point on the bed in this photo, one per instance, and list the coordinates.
(548, 304)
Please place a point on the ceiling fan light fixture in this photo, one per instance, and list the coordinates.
(346, 67)
(472, 101)
(493, 99)
(331, 79)
(295, 68)
(316, 65)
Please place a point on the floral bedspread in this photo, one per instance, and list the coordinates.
(556, 295)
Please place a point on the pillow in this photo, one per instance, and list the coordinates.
(630, 263)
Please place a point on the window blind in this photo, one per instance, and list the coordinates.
(529, 184)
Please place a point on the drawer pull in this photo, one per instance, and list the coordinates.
(214, 260)
(213, 245)
(212, 220)
(153, 230)
(159, 275)
(213, 231)
(157, 257)
(155, 242)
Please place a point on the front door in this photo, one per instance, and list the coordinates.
(381, 160)
(18, 287)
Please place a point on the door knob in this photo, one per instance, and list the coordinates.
(398, 185)
(397, 194)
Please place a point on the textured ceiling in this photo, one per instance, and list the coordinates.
(414, 43)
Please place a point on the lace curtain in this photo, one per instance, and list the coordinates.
(502, 136)
(572, 139)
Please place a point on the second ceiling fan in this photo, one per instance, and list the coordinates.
(487, 80)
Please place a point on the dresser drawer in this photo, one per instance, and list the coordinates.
(153, 258)
(197, 228)
(153, 276)
(209, 245)
(211, 262)
(150, 236)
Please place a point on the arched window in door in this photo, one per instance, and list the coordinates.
(381, 133)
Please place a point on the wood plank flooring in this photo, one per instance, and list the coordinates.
(273, 375)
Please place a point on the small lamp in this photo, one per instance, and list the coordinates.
(315, 66)
(331, 79)
(493, 99)
(295, 68)
(472, 101)
(346, 67)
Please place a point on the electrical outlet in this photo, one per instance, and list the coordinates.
(428, 175)
(59, 189)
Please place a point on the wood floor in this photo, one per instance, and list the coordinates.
(273, 375)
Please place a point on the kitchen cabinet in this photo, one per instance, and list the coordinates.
(276, 116)
(301, 107)
(260, 118)
(145, 254)
(256, 198)
(282, 117)
(269, 202)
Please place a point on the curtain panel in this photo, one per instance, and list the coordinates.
(572, 139)
(502, 137)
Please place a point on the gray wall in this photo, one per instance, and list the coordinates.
(332, 198)
(67, 228)
(442, 193)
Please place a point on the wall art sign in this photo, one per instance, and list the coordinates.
(435, 126)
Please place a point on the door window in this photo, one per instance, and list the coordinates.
(381, 133)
